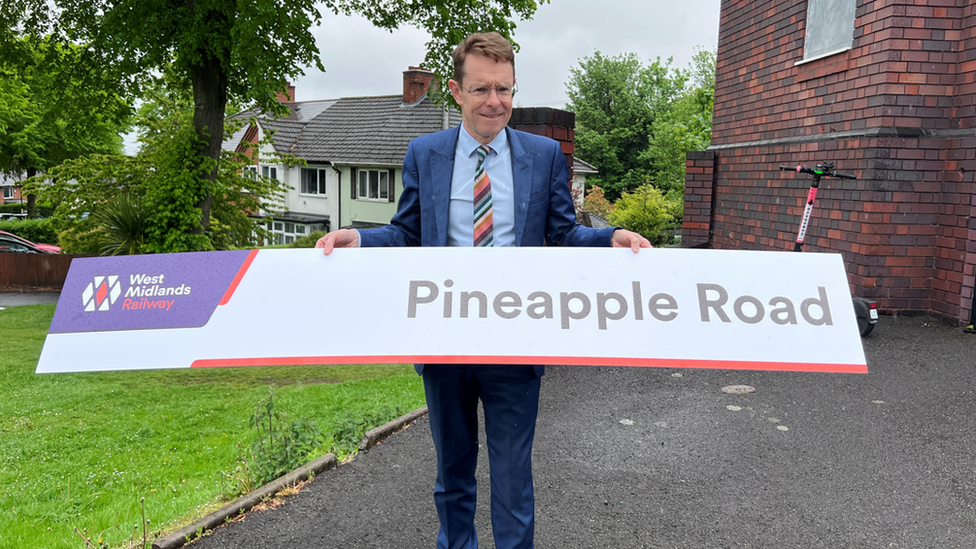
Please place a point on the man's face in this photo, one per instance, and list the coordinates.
(484, 117)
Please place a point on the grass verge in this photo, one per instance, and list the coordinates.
(82, 450)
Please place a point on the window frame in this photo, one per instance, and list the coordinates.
(817, 25)
(321, 182)
(281, 233)
(364, 184)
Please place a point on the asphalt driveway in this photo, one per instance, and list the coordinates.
(661, 458)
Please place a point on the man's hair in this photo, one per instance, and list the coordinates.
(489, 44)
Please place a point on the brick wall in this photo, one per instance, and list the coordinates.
(699, 178)
(552, 123)
(15, 197)
(897, 110)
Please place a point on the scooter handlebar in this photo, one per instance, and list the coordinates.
(801, 169)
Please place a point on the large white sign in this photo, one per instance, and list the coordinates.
(588, 306)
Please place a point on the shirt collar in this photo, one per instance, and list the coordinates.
(467, 144)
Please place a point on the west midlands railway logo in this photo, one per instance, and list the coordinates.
(101, 293)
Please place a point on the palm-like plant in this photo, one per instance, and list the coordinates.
(123, 223)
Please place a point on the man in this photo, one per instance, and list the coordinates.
(488, 185)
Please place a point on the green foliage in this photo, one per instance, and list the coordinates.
(165, 182)
(122, 225)
(227, 51)
(635, 122)
(307, 241)
(52, 108)
(281, 444)
(686, 126)
(35, 230)
(647, 212)
(43, 210)
(348, 432)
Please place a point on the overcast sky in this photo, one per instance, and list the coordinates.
(362, 60)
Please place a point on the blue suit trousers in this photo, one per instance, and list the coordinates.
(510, 396)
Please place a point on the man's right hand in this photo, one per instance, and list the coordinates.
(343, 238)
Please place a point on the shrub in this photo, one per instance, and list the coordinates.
(35, 230)
(43, 210)
(124, 223)
(597, 203)
(647, 212)
(307, 241)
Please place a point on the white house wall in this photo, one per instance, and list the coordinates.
(297, 202)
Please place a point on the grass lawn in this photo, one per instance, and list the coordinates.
(82, 450)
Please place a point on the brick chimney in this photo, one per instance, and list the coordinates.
(553, 123)
(290, 97)
(415, 83)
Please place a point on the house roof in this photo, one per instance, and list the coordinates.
(350, 130)
(7, 180)
(583, 167)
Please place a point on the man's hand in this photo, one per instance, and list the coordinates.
(343, 238)
(622, 238)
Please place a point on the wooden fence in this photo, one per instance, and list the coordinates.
(34, 271)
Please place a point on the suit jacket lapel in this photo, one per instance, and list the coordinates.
(442, 173)
(521, 181)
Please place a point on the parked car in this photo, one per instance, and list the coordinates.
(12, 243)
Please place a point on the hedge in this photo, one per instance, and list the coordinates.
(35, 230)
(42, 211)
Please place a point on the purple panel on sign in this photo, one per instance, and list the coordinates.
(144, 291)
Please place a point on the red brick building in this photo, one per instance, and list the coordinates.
(885, 91)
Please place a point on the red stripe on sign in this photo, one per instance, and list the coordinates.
(237, 279)
(554, 360)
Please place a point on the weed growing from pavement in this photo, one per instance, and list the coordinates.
(81, 450)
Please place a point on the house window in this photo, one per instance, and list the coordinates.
(270, 172)
(8, 192)
(374, 185)
(313, 181)
(251, 172)
(830, 27)
(285, 232)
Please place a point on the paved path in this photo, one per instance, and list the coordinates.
(655, 458)
(14, 299)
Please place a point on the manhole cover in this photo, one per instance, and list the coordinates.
(738, 389)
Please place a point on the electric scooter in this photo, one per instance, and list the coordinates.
(865, 309)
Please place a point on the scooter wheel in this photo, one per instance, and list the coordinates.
(864, 326)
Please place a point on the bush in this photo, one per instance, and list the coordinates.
(647, 212)
(596, 203)
(35, 230)
(307, 241)
(42, 210)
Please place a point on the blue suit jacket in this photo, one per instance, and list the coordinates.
(544, 212)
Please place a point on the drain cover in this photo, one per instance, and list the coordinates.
(738, 389)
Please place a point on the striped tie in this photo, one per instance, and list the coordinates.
(482, 201)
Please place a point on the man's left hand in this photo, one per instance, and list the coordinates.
(622, 238)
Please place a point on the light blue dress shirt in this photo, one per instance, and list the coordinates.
(498, 165)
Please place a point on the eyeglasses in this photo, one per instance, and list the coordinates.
(484, 92)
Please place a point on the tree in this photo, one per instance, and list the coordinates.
(637, 122)
(235, 49)
(115, 204)
(51, 111)
(616, 100)
(686, 126)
